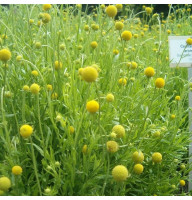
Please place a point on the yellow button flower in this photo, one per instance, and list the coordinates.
(58, 65)
(92, 106)
(156, 157)
(120, 173)
(26, 131)
(5, 55)
(35, 73)
(46, 7)
(119, 130)
(119, 6)
(5, 183)
(138, 168)
(159, 82)
(111, 11)
(122, 81)
(94, 44)
(112, 146)
(110, 97)
(119, 25)
(26, 88)
(17, 170)
(177, 98)
(149, 72)
(182, 183)
(89, 74)
(138, 157)
(148, 10)
(46, 18)
(126, 35)
(35, 88)
(71, 129)
(84, 149)
(49, 87)
(189, 41)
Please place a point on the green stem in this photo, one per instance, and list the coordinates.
(23, 107)
(40, 127)
(35, 166)
(5, 123)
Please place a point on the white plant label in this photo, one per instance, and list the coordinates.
(180, 54)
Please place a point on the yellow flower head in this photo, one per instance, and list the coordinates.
(84, 149)
(156, 134)
(115, 51)
(189, 41)
(26, 88)
(86, 27)
(122, 81)
(94, 44)
(182, 166)
(35, 73)
(138, 168)
(126, 35)
(95, 27)
(46, 18)
(5, 183)
(5, 55)
(39, 23)
(120, 173)
(178, 25)
(148, 10)
(173, 186)
(159, 82)
(47, 190)
(8, 94)
(71, 129)
(119, 130)
(4, 36)
(156, 157)
(133, 65)
(54, 95)
(19, 58)
(31, 21)
(138, 157)
(17, 170)
(38, 45)
(102, 6)
(79, 6)
(35, 88)
(173, 116)
(119, 25)
(177, 98)
(112, 146)
(46, 7)
(182, 183)
(92, 106)
(111, 11)
(119, 6)
(149, 72)
(26, 131)
(49, 87)
(110, 97)
(168, 31)
(58, 65)
(89, 74)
